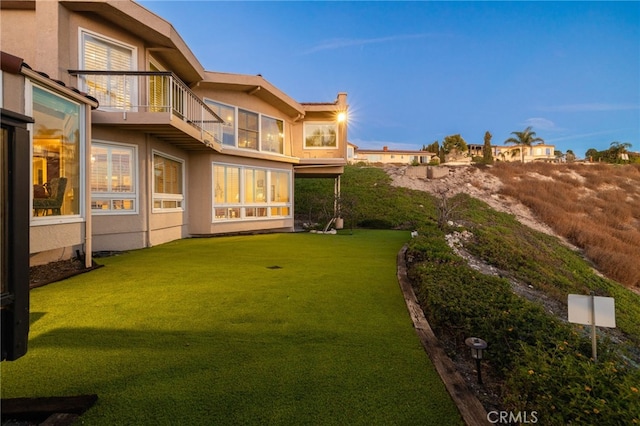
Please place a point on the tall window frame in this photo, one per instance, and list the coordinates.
(168, 183)
(101, 53)
(114, 178)
(248, 128)
(57, 151)
(271, 134)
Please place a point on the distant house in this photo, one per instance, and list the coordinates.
(539, 152)
(387, 156)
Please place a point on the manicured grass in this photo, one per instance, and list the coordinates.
(203, 331)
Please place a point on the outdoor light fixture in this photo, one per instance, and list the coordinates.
(477, 347)
(342, 116)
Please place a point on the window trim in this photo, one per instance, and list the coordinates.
(114, 196)
(58, 219)
(159, 196)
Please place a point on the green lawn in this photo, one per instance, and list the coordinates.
(203, 331)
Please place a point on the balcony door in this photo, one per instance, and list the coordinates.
(158, 90)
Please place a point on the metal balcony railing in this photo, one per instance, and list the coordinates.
(149, 91)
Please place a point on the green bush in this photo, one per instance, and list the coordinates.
(566, 387)
(543, 364)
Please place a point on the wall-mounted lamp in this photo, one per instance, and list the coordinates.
(477, 347)
(342, 117)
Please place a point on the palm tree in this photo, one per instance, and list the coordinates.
(524, 138)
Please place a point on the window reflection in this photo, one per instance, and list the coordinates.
(56, 155)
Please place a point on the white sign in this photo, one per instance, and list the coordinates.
(582, 310)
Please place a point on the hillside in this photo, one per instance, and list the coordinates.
(594, 208)
(488, 271)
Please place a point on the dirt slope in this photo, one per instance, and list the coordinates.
(472, 181)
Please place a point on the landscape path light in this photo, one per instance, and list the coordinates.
(477, 348)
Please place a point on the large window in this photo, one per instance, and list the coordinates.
(168, 188)
(245, 193)
(113, 180)
(247, 129)
(320, 135)
(100, 54)
(56, 171)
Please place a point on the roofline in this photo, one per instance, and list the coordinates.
(16, 65)
(142, 22)
(254, 85)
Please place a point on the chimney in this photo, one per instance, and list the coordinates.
(385, 148)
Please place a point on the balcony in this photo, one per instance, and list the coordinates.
(157, 103)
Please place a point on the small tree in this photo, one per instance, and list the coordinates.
(570, 156)
(447, 207)
(487, 153)
(454, 143)
(434, 147)
(592, 154)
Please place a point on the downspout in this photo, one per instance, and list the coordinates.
(88, 243)
(148, 188)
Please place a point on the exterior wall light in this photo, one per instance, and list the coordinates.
(342, 117)
(477, 347)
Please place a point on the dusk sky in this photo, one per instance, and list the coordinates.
(418, 71)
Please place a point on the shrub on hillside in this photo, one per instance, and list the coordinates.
(542, 363)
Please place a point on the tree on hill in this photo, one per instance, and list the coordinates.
(570, 156)
(434, 147)
(618, 151)
(453, 143)
(487, 154)
(592, 154)
(525, 138)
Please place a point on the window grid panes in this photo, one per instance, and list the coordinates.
(250, 193)
(248, 130)
(113, 183)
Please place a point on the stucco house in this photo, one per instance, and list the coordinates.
(538, 152)
(387, 156)
(133, 143)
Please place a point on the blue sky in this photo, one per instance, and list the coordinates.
(418, 71)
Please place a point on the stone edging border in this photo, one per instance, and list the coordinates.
(472, 411)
